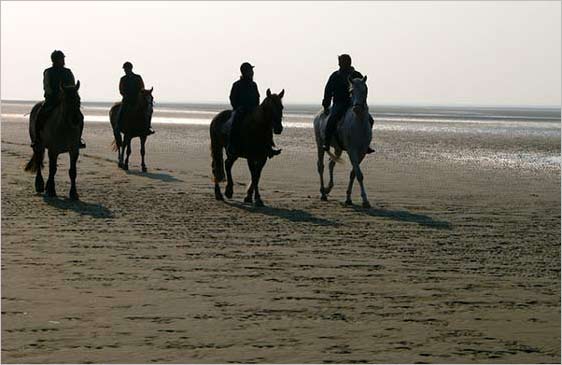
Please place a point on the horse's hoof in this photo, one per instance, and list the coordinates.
(74, 196)
(39, 188)
(324, 198)
(125, 167)
(248, 200)
(348, 202)
(366, 204)
(219, 197)
(258, 203)
(144, 169)
(229, 192)
(51, 194)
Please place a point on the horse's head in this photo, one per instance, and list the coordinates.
(358, 90)
(70, 97)
(147, 102)
(275, 106)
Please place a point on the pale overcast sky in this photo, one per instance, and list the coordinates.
(440, 53)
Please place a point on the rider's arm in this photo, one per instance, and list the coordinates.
(47, 84)
(141, 83)
(122, 87)
(328, 92)
(234, 96)
(356, 75)
(256, 94)
(71, 81)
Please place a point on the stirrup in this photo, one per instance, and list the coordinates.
(272, 152)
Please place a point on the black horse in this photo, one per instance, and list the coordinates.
(60, 134)
(256, 131)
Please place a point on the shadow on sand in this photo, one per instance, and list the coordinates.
(153, 175)
(93, 210)
(404, 216)
(293, 215)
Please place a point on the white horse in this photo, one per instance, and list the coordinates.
(353, 135)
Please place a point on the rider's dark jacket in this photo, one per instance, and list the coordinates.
(244, 95)
(337, 87)
(53, 78)
(129, 86)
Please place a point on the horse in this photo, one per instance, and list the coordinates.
(256, 138)
(134, 124)
(353, 135)
(60, 133)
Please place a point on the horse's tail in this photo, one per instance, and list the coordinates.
(217, 146)
(36, 161)
(117, 140)
(216, 154)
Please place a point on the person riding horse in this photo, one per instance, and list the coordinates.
(337, 88)
(54, 78)
(244, 98)
(130, 86)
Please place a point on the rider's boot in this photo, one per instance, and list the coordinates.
(273, 152)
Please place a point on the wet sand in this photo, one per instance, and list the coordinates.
(456, 262)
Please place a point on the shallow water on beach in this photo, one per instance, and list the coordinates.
(524, 138)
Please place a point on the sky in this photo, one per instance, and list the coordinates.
(414, 53)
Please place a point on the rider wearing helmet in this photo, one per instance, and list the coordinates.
(244, 98)
(337, 89)
(53, 78)
(130, 86)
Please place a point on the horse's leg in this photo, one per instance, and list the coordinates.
(72, 173)
(229, 189)
(331, 166)
(39, 182)
(355, 161)
(256, 180)
(143, 141)
(250, 190)
(320, 167)
(51, 191)
(121, 153)
(350, 187)
(128, 144)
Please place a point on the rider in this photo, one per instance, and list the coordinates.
(244, 98)
(130, 86)
(53, 78)
(338, 89)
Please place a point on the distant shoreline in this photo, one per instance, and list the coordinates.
(402, 107)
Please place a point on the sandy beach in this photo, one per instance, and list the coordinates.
(458, 261)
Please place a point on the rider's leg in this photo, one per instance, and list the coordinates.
(120, 114)
(336, 114)
(234, 137)
(42, 116)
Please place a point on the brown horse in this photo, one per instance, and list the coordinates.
(61, 133)
(134, 124)
(255, 141)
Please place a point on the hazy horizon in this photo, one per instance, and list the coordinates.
(499, 54)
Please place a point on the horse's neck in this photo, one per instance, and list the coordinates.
(263, 117)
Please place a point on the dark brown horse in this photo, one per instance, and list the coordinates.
(61, 133)
(134, 124)
(255, 140)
